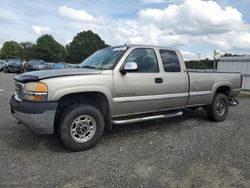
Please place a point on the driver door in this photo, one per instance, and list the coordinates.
(138, 91)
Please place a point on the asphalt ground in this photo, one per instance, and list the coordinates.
(188, 151)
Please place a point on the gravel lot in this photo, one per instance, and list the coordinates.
(180, 152)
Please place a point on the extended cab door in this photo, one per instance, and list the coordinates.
(175, 83)
(140, 91)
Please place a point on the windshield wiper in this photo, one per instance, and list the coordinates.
(89, 67)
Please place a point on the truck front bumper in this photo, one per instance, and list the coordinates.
(39, 117)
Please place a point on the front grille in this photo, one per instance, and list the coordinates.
(19, 91)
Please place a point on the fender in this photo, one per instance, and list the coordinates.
(216, 86)
(59, 93)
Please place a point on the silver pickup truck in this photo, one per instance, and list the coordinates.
(118, 85)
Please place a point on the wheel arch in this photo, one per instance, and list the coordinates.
(224, 88)
(94, 98)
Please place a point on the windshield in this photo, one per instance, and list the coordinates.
(103, 59)
(14, 62)
(36, 62)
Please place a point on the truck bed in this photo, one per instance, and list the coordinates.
(203, 84)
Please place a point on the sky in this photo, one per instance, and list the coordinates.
(193, 26)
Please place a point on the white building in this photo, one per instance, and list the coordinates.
(236, 64)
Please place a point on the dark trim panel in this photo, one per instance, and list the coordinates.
(31, 107)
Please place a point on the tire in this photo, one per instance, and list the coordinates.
(74, 131)
(218, 109)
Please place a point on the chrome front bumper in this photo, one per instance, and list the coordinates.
(37, 117)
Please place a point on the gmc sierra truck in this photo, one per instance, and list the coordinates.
(118, 85)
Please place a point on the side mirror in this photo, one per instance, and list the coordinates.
(129, 67)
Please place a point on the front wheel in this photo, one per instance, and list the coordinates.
(218, 109)
(81, 127)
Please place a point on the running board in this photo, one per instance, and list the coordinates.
(135, 120)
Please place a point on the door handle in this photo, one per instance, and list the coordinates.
(158, 80)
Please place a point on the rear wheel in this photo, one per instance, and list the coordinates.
(218, 109)
(81, 127)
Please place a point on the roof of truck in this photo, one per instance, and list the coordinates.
(142, 45)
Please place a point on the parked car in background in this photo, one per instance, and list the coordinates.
(13, 65)
(36, 64)
(2, 64)
(58, 66)
(50, 65)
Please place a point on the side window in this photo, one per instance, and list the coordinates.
(170, 61)
(145, 59)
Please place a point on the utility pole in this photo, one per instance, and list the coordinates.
(214, 60)
(198, 62)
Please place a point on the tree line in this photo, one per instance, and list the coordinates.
(201, 64)
(47, 48)
(83, 45)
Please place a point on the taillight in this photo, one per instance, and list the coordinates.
(241, 80)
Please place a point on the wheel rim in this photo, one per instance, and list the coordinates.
(83, 128)
(221, 107)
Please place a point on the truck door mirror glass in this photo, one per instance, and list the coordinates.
(130, 66)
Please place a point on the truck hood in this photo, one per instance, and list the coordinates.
(39, 75)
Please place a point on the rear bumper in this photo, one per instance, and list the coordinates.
(39, 117)
(234, 93)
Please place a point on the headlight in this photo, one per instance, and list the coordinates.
(35, 92)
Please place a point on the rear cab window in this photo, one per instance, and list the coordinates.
(170, 61)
